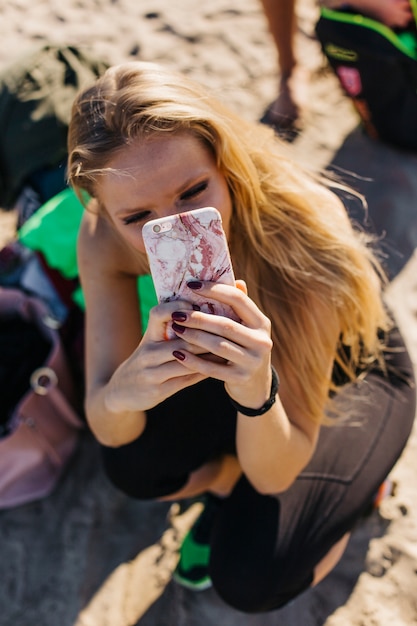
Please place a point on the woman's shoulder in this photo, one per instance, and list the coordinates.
(100, 247)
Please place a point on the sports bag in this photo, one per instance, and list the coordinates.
(377, 68)
(39, 418)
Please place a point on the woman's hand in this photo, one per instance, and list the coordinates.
(151, 374)
(241, 350)
(392, 13)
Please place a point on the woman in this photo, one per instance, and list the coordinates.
(283, 490)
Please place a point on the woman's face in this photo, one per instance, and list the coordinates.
(158, 177)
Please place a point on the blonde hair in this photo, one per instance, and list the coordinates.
(288, 230)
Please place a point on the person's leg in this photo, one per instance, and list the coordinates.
(282, 23)
(265, 550)
(280, 14)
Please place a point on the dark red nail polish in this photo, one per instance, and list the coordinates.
(179, 316)
(195, 284)
(178, 355)
(196, 308)
(177, 328)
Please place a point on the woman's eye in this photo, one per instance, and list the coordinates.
(194, 191)
(137, 217)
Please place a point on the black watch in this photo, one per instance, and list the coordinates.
(267, 405)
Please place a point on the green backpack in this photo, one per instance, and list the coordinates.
(377, 68)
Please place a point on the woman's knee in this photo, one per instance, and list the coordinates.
(137, 477)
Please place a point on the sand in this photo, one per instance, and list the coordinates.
(89, 556)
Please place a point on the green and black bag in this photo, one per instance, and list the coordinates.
(377, 68)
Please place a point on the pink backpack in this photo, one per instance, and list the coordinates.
(43, 428)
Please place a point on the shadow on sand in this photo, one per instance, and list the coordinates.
(387, 177)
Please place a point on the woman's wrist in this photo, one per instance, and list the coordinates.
(254, 412)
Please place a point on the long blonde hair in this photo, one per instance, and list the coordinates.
(290, 238)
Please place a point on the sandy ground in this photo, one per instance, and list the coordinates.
(88, 556)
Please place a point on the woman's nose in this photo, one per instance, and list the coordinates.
(169, 210)
(172, 210)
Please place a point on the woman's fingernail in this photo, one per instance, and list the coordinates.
(178, 355)
(196, 308)
(177, 328)
(194, 284)
(179, 316)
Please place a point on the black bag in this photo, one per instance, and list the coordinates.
(36, 95)
(377, 68)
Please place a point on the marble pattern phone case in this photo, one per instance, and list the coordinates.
(188, 246)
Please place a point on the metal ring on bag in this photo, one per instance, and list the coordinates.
(51, 322)
(42, 380)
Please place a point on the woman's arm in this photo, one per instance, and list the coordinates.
(278, 448)
(112, 330)
(125, 373)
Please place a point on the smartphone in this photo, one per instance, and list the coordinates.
(184, 247)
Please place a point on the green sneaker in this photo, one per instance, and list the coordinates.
(192, 569)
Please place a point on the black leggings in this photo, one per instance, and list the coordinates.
(264, 548)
